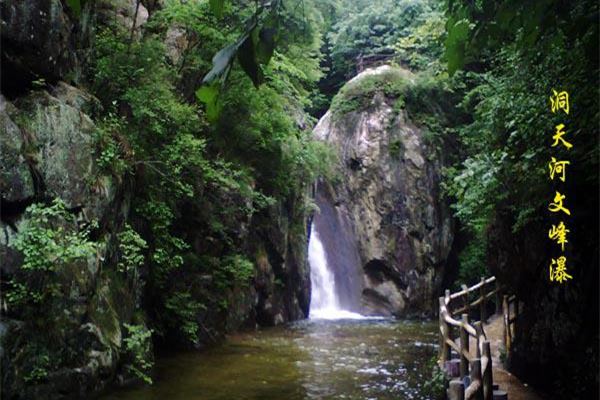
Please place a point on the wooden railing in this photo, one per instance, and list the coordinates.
(510, 322)
(478, 368)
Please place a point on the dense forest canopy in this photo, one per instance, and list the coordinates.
(204, 117)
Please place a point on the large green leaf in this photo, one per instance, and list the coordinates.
(217, 6)
(222, 60)
(209, 95)
(248, 58)
(266, 45)
(458, 33)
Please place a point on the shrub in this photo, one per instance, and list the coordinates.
(131, 247)
(138, 346)
(436, 385)
(357, 95)
(185, 308)
(50, 242)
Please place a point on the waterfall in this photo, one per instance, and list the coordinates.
(324, 303)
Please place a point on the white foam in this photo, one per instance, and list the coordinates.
(334, 313)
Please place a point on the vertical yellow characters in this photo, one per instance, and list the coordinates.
(559, 101)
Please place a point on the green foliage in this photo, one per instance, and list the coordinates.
(166, 250)
(200, 185)
(112, 157)
(372, 29)
(458, 32)
(253, 50)
(436, 385)
(364, 34)
(57, 251)
(234, 270)
(109, 158)
(358, 94)
(476, 27)
(396, 149)
(257, 127)
(185, 308)
(138, 345)
(404, 31)
(472, 262)
(38, 370)
(50, 242)
(209, 95)
(430, 102)
(217, 6)
(507, 143)
(421, 49)
(76, 6)
(471, 205)
(131, 248)
(18, 293)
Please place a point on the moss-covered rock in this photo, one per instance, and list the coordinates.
(72, 341)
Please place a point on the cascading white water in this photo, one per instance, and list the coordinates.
(324, 303)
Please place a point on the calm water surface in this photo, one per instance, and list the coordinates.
(313, 359)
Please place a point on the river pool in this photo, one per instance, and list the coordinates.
(364, 359)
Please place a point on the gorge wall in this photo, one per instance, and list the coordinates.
(386, 203)
(78, 339)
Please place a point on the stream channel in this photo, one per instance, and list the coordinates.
(335, 354)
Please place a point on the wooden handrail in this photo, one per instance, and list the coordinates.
(480, 365)
(473, 288)
(476, 302)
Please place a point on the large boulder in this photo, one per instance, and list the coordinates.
(384, 210)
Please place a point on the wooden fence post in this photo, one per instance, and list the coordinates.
(479, 332)
(476, 376)
(456, 390)
(444, 331)
(498, 297)
(507, 334)
(515, 323)
(464, 347)
(487, 377)
(466, 298)
(482, 304)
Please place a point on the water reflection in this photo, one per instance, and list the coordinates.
(358, 360)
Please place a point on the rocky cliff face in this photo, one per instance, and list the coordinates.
(386, 199)
(50, 149)
(49, 153)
